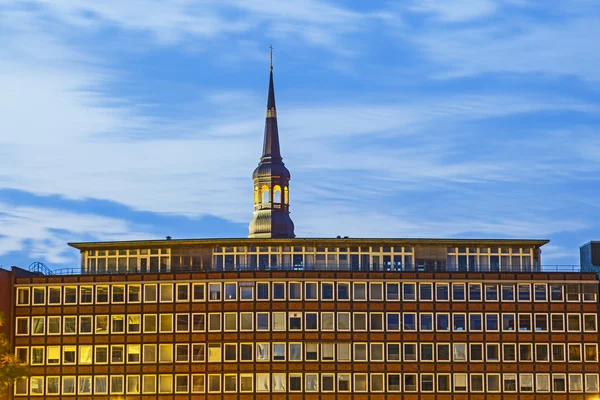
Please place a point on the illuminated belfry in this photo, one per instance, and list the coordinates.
(271, 183)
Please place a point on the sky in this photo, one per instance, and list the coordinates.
(422, 118)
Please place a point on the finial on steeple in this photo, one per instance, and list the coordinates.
(271, 57)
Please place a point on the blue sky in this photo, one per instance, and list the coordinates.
(141, 119)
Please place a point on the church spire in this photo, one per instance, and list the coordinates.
(271, 181)
(271, 150)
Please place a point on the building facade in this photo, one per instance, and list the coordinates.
(589, 256)
(275, 317)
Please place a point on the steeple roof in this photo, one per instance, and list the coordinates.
(271, 151)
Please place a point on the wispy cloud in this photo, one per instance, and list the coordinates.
(45, 231)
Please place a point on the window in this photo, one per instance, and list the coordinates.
(118, 294)
(343, 321)
(70, 325)
(262, 352)
(426, 323)
(559, 383)
(377, 322)
(360, 382)
(198, 383)
(343, 351)
(510, 382)
(246, 383)
(573, 291)
(591, 352)
(474, 292)
(573, 323)
(326, 291)
(343, 291)
(101, 354)
(508, 322)
(508, 293)
(443, 321)
(149, 351)
(409, 291)
(492, 352)
(541, 352)
(279, 382)
(425, 291)
(591, 383)
(410, 383)
(459, 322)
(165, 353)
(214, 322)
(262, 321)
(574, 352)
(246, 321)
(475, 322)
(133, 384)
(539, 293)
(524, 291)
(165, 384)
(459, 352)
(183, 292)
(458, 291)
(376, 352)
(150, 293)
(116, 354)
(134, 293)
(23, 300)
(376, 291)
(343, 382)
(557, 322)
(558, 352)
(525, 352)
(360, 352)
(68, 385)
(214, 291)
(149, 323)
(311, 321)
(133, 353)
(524, 323)
(493, 382)
(230, 383)
(70, 295)
(556, 293)
(230, 291)
(476, 382)
(360, 321)
(38, 326)
(359, 291)
(166, 323)
(541, 322)
(311, 291)
(149, 384)
(198, 294)
(134, 323)
(279, 321)
(491, 292)
(410, 352)
(509, 352)
(460, 382)
(476, 352)
(54, 295)
(39, 296)
(295, 289)
(589, 323)
(327, 352)
(426, 352)
(22, 326)
(327, 321)
(443, 352)
(443, 383)
(166, 293)
(230, 322)
(327, 382)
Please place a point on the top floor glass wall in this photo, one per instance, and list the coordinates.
(359, 258)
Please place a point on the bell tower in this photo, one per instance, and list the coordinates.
(271, 182)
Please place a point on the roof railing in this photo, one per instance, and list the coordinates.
(325, 268)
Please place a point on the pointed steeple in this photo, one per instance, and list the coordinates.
(271, 151)
(271, 181)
